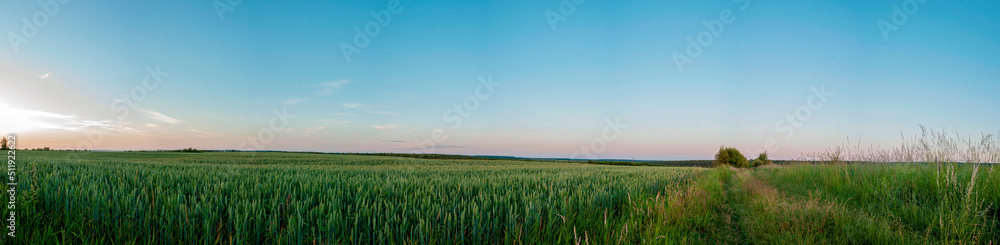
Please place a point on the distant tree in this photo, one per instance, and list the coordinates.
(761, 160)
(4, 143)
(732, 157)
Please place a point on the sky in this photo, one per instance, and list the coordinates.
(572, 78)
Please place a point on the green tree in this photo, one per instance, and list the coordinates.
(3, 142)
(761, 160)
(732, 157)
(189, 149)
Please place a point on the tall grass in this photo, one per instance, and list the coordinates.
(943, 184)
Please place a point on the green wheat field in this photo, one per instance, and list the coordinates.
(303, 198)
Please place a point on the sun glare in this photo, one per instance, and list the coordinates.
(17, 121)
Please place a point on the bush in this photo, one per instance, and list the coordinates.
(732, 157)
(761, 160)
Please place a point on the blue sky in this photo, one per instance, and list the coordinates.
(223, 76)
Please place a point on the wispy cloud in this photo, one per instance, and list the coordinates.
(44, 76)
(306, 130)
(293, 101)
(324, 89)
(17, 120)
(334, 121)
(314, 129)
(386, 127)
(352, 104)
(395, 141)
(356, 105)
(328, 88)
(205, 133)
(436, 147)
(160, 117)
(150, 124)
(48, 115)
(381, 112)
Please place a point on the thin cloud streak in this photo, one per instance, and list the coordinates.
(382, 112)
(385, 127)
(328, 88)
(160, 117)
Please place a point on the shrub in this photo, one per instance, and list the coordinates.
(761, 160)
(189, 150)
(732, 157)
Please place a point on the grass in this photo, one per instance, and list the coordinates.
(215, 197)
(904, 197)
(935, 189)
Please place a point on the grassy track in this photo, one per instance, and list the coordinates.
(292, 198)
(895, 203)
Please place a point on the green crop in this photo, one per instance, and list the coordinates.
(292, 198)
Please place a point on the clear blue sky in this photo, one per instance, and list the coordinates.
(559, 83)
